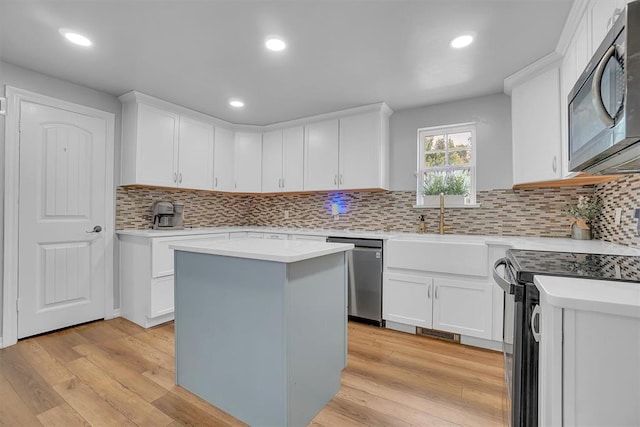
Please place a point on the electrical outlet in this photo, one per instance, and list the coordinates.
(618, 216)
(286, 214)
(335, 210)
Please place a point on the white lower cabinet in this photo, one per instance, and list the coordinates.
(407, 299)
(589, 370)
(461, 306)
(146, 277)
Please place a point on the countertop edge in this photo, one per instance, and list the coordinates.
(610, 297)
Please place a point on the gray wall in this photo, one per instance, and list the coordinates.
(492, 114)
(21, 78)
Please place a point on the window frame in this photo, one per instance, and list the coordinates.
(439, 130)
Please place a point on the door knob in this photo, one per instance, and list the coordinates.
(96, 229)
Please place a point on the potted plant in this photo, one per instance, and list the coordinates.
(453, 186)
(581, 216)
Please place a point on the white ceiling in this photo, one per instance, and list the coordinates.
(340, 54)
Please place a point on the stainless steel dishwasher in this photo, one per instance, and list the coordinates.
(365, 279)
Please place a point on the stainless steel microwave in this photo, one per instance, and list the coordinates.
(604, 104)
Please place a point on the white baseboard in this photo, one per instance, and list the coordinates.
(116, 313)
(479, 342)
(401, 327)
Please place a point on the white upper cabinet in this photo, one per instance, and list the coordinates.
(349, 153)
(292, 158)
(535, 117)
(361, 138)
(164, 148)
(321, 156)
(248, 162)
(223, 178)
(282, 160)
(150, 145)
(272, 161)
(195, 154)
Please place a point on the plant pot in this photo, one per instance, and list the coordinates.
(580, 233)
(449, 200)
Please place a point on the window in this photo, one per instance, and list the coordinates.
(447, 164)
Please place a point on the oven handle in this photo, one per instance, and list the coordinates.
(504, 284)
(598, 103)
(534, 314)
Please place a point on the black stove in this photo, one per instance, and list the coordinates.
(529, 263)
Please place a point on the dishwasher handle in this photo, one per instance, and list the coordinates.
(504, 284)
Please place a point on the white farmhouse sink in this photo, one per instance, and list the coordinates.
(440, 254)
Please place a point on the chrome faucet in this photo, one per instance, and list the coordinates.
(441, 228)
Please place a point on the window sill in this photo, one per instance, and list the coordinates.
(448, 205)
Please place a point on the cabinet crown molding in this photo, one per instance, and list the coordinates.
(578, 9)
(135, 96)
(538, 67)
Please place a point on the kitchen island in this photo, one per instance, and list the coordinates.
(261, 326)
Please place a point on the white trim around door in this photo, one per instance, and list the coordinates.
(15, 97)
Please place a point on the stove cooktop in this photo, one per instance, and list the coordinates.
(528, 263)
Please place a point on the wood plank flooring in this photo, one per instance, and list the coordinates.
(114, 373)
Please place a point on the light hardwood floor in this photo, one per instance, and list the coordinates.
(116, 373)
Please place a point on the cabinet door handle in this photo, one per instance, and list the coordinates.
(436, 293)
(335, 180)
(554, 164)
(215, 182)
(341, 181)
(282, 182)
(180, 178)
(429, 292)
(175, 177)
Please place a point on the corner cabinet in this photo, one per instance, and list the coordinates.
(282, 160)
(146, 277)
(223, 178)
(350, 152)
(247, 161)
(161, 147)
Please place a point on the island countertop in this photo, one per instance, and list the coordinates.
(285, 251)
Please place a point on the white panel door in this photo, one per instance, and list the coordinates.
(61, 264)
(157, 152)
(223, 160)
(272, 161)
(321, 156)
(407, 299)
(195, 155)
(248, 162)
(359, 151)
(293, 159)
(463, 307)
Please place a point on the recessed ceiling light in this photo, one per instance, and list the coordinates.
(75, 38)
(275, 44)
(462, 41)
(236, 103)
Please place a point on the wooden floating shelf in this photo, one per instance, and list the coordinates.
(576, 181)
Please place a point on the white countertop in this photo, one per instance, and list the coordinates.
(531, 243)
(285, 251)
(620, 298)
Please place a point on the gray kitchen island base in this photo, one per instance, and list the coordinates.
(264, 341)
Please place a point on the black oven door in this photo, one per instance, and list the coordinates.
(519, 347)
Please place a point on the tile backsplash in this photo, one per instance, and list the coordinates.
(530, 212)
(623, 193)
